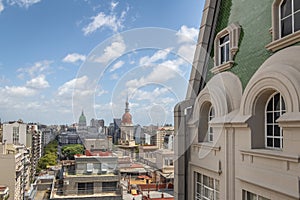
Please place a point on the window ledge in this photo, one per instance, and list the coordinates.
(223, 67)
(207, 145)
(271, 154)
(289, 120)
(284, 42)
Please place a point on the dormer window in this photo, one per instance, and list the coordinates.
(289, 17)
(226, 46)
(285, 24)
(224, 49)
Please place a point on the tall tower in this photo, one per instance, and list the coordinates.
(127, 128)
(82, 122)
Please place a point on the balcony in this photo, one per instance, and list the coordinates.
(272, 169)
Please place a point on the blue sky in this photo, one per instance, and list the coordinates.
(58, 57)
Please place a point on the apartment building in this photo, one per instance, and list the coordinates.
(237, 131)
(92, 176)
(29, 135)
(15, 132)
(15, 165)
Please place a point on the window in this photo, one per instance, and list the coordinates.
(251, 196)
(16, 135)
(85, 188)
(109, 186)
(206, 188)
(273, 133)
(224, 49)
(285, 24)
(211, 115)
(89, 167)
(289, 11)
(166, 162)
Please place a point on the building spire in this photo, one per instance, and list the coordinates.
(127, 105)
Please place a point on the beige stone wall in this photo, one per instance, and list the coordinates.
(237, 157)
(7, 167)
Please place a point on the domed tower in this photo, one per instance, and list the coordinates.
(82, 122)
(127, 118)
(127, 129)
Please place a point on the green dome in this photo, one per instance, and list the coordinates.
(82, 120)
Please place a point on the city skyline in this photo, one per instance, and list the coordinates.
(44, 57)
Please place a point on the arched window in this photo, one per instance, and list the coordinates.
(211, 115)
(289, 11)
(275, 107)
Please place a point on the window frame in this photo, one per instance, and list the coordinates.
(292, 15)
(279, 42)
(226, 50)
(211, 115)
(274, 123)
(85, 188)
(16, 135)
(258, 197)
(233, 31)
(202, 186)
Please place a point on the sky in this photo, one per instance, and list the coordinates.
(59, 58)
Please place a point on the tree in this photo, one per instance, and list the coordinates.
(47, 160)
(50, 156)
(70, 150)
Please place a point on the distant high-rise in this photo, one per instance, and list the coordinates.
(98, 123)
(15, 133)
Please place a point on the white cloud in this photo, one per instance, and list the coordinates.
(82, 87)
(74, 57)
(186, 34)
(113, 5)
(1, 6)
(115, 50)
(36, 69)
(101, 92)
(187, 51)
(18, 91)
(23, 3)
(149, 95)
(68, 87)
(102, 20)
(112, 21)
(39, 82)
(160, 74)
(116, 66)
(168, 100)
(159, 55)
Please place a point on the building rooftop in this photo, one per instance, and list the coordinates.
(97, 153)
